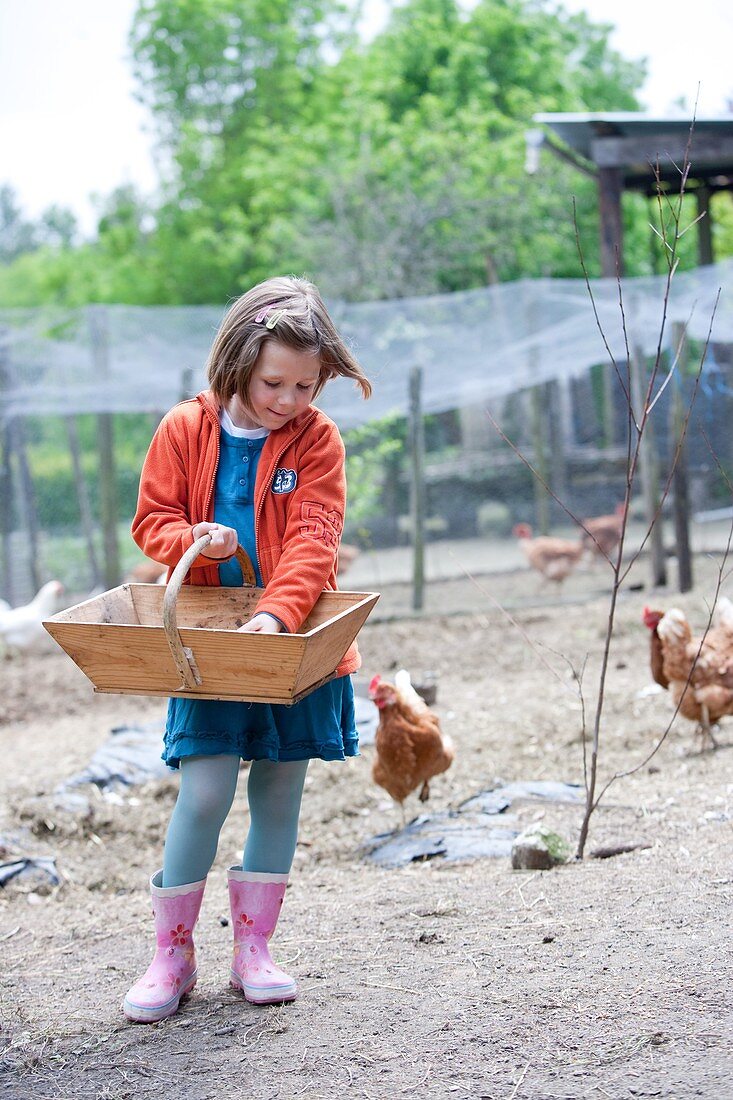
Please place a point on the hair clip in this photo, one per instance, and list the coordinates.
(271, 320)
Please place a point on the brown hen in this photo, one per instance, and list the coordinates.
(409, 744)
(553, 558)
(698, 672)
(602, 534)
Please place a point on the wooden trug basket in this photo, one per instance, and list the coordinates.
(182, 640)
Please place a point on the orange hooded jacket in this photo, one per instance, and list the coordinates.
(300, 493)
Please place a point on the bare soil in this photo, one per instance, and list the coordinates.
(601, 978)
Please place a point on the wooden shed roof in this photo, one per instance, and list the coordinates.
(633, 142)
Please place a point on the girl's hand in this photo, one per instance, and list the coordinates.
(262, 624)
(224, 540)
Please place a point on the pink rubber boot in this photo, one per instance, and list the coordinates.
(172, 973)
(255, 901)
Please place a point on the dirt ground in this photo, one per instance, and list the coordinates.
(605, 978)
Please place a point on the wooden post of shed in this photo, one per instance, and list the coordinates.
(680, 493)
(631, 151)
(610, 189)
(417, 488)
(99, 338)
(704, 227)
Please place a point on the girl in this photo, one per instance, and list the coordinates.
(248, 461)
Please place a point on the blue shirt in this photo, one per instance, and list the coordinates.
(234, 492)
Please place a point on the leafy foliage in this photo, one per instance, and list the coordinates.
(373, 455)
(382, 169)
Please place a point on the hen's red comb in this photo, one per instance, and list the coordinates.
(651, 618)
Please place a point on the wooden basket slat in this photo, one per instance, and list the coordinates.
(115, 606)
(214, 608)
(119, 658)
(328, 606)
(254, 664)
(329, 642)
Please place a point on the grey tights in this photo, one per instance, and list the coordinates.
(205, 796)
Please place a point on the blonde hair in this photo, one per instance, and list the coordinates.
(303, 325)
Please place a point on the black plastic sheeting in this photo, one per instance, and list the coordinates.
(498, 799)
(468, 832)
(130, 755)
(40, 869)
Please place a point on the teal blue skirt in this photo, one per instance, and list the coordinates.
(322, 725)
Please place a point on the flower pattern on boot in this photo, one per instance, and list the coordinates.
(172, 973)
(253, 970)
(180, 935)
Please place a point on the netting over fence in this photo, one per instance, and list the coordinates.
(472, 346)
(82, 391)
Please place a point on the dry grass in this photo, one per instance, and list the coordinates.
(602, 979)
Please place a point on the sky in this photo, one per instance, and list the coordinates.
(71, 129)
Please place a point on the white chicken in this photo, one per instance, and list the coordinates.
(21, 628)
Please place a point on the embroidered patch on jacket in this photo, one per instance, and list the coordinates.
(284, 481)
(320, 523)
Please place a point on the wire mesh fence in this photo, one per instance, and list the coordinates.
(541, 363)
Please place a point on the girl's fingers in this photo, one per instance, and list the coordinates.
(224, 539)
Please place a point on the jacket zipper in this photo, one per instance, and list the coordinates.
(278, 456)
(273, 467)
(213, 480)
(212, 483)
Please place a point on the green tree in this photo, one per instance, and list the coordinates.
(386, 168)
(17, 235)
(426, 187)
(383, 169)
(58, 227)
(211, 69)
(235, 85)
(119, 265)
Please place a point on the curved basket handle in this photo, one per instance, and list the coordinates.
(182, 655)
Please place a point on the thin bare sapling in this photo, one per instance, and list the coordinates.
(640, 398)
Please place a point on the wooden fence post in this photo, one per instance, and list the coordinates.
(6, 477)
(99, 338)
(28, 500)
(417, 488)
(82, 497)
(540, 424)
(680, 493)
(14, 453)
(649, 472)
